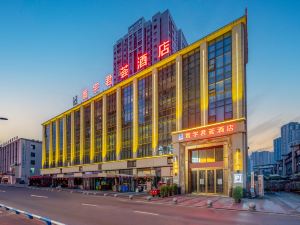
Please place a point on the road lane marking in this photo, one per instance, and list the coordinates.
(148, 213)
(2, 191)
(86, 204)
(38, 196)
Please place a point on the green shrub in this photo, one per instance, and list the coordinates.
(237, 194)
(168, 190)
(174, 189)
(163, 191)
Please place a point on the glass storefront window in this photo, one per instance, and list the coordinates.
(68, 126)
(166, 107)
(207, 155)
(195, 157)
(98, 131)
(145, 116)
(111, 127)
(191, 89)
(127, 113)
(219, 79)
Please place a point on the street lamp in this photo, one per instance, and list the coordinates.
(3, 118)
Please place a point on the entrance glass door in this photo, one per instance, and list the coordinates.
(207, 181)
(194, 181)
(219, 179)
(210, 181)
(202, 181)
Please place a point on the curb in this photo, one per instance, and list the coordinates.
(31, 216)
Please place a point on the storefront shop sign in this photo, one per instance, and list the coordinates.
(238, 178)
(208, 132)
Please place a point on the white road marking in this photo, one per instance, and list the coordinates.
(2, 191)
(148, 213)
(38, 196)
(86, 204)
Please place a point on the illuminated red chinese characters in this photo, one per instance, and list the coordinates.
(85, 94)
(124, 71)
(208, 132)
(109, 80)
(164, 49)
(96, 87)
(142, 61)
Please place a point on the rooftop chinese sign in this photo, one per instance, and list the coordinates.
(208, 132)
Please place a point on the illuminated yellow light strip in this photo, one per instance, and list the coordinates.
(237, 77)
(203, 89)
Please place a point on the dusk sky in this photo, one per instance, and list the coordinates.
(51, 50)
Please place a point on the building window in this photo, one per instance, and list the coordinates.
(191, 89)
(52, 164)
(166, 107)
(61, 144)
(131, 164)
(32, 154)
(32, 146)
(68, 153)
(98, 131)
(145, 116)
(127, 112)
(208, 155)
(87, 134)
(220, 79)
(77, 136)
(32, 162)
(111, 127)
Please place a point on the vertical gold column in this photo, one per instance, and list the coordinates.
(57, 134)
(72, 137)
(119, 124)
(64, 139)
(92, 136)
(178, 93)
(104, 128)
(203, 84)
(154, 111)
(82, 139)
(44, 147)
(50, 146)
(238, 72)
(135, 122)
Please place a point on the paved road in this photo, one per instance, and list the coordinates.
(79, 209)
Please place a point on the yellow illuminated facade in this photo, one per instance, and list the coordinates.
(190, 107)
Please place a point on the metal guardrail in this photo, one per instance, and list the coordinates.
(32, 216)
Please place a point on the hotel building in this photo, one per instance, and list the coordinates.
(182, 119)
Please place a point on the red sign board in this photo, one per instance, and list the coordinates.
(208, 132)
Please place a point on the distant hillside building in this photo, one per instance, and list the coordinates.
(143, 41)
(20, 158)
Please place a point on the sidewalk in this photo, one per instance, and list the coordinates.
(10, 218)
